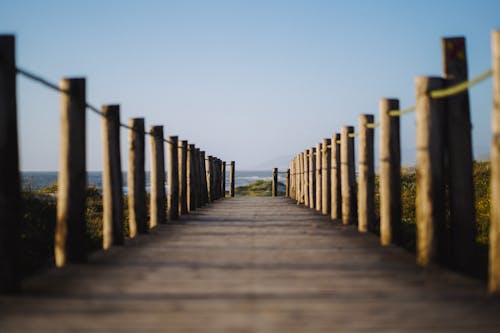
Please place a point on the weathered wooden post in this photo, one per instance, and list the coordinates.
(191, 179)
(325, 177)
(112, 183)
(292, 190)
(173, 178)
(297, 179)
(287, 189)
(319, 181)
(312, 177)
(336, 195)
(215, 178)
(366, 177)
(305, 160)
(213, 187)
(70, 237)
(459, 147)
(199, 184)
(430, 212)
(274, 188)
(300, 161)
(136, 178)
(219, 178)
(203, 178)
(10, 198)
(223, 186)
(209, 177)
(347, 169)
(494, 248)
(182, 155)
(390, 173)
(231, 179)
(158, 210)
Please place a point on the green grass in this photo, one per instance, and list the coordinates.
(259, 188)
(38, 222)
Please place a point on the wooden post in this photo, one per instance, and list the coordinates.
(274, 189)
(336, 195)
(305, 160)
(191, 178)
(219, 178)
(300, 169)
(10, 198)
(390, 173)
(209, 177)
(203, 178)
(231, 179)
(70, 238)
(182, 155)
(325, 177)
(430, 212)
(312, 177)
(297, 179)
(287, 189)
(112, 183)
(136, 179)
(173, 178)
(215, 179)
(366, 178)
(319, 181)
(199, 195)
(459, 164)
(347, 170)
(223, 187)
(494, 248)
(158, 210)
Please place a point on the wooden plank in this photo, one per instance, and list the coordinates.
(286, 270)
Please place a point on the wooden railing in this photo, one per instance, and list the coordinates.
(323, 177)
(193, 178)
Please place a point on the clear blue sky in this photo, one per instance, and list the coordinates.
(252, 81)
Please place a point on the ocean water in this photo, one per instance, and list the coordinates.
(39, 179)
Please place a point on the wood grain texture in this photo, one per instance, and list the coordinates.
(251, 265)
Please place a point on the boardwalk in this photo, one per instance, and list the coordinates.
(251, 265)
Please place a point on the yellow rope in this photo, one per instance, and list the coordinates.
(397, 113)
(373, 125)
(458, 88)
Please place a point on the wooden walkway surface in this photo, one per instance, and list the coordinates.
(251, 265)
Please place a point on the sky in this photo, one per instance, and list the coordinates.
(253, 81)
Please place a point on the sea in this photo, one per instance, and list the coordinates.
(34, 180)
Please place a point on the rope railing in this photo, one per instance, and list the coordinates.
(443, 139)
(435, 94)
(45, 82)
